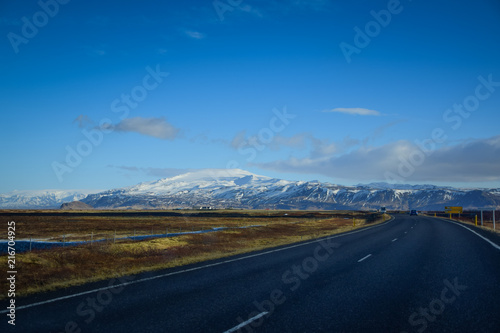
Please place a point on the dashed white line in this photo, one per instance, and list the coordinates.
(364, 258)
(395, 239)
(245, 323)
(192, 269)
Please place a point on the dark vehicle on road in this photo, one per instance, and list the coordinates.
(413, 212)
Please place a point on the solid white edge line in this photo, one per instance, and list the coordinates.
(364, 258)
(496, 246)
(395, 239)
(191, 269)
(245, 323)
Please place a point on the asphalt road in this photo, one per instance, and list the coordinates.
(412, 274)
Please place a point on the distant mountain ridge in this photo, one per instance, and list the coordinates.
(225, 188)
(235, 188)
(41, 199)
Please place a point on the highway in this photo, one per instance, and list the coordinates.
(411, 274)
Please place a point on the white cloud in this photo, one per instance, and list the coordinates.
(471, 161)
(155, 127)
(356, 111)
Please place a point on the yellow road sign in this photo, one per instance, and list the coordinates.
(454, 209)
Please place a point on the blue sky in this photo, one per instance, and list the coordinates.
(98, 95)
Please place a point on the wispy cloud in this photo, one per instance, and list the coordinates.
(162, 51)
(155, 127)
(95, 50)
(251, 10)
(99, 21)
(298, 141)
(195, 34)
(356, 111)
(314, 4)
(318, 148)
(471, 161)
(82, 120)
(155, 172)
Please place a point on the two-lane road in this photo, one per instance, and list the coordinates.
(411, 274)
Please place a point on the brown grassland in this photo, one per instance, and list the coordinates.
(44, 270)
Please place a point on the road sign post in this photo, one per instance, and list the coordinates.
(493, 219)
(454, 210)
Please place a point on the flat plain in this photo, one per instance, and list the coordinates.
(115, 255)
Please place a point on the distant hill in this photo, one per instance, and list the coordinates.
(76, 205)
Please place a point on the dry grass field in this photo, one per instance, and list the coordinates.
(44, 270)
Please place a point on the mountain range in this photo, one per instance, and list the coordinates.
(235, 188)
(41, 199)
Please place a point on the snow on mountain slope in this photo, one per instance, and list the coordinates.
(236, 188)
(203, 180)
(41, 199)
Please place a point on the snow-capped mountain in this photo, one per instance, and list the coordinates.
(224, 188)
(43, 199)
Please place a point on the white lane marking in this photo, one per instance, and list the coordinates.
(496, 246)
(406, 232)
(245, 323)
(395, 239)
(191, 269)
(364, 258)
